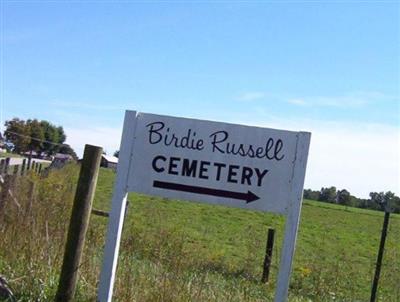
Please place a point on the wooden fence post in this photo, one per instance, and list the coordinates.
(23, 167)
(29, 161)
(7, 164)
(16, 168)
(268, 256)
(79, 222)
(2, 163)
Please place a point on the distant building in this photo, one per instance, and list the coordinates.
(61, 156)
(108, 161)
(59, 160)
(39, 155)
(34, 154)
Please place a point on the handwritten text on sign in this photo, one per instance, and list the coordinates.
(213, 162)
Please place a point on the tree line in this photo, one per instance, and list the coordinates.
(32, 135)
(377, 200)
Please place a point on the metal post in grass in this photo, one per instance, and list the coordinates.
(79, 223)
(268, 255)
(380, 256)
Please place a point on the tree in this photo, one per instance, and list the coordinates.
(51, 135)
(310, 194)
(328, 194)
(55, 137)
(116, 153)
(343, 197)
(384, 201)
(36, 134)
(17, 133)
(376, 201)
(61, 135)
(396, 205)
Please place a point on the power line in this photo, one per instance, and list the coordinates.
(35, 139)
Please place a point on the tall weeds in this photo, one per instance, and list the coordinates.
(32, 232)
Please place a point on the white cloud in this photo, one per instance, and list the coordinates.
(252, 96)
(299, 102)
(358, 160)
(340, 101)
(355, 99)
(106, 137)
(350, 100)
(358, 157)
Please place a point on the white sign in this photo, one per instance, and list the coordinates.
(212, 162)
(218, 163)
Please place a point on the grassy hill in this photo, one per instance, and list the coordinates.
(184, 251)
(336, 248)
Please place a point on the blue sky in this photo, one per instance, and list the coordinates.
(328, 67)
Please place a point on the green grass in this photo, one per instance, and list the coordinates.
(183, 251)
(336, 247)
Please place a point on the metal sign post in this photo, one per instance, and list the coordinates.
(380, 256)
(204, 161)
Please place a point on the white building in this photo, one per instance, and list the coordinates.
(108, 161)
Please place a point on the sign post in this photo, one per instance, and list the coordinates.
(204, 161)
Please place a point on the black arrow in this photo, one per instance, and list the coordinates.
(248, 197)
